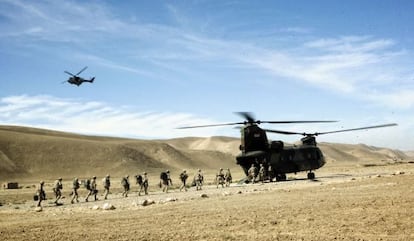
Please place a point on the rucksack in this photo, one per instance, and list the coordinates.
(124, 182)
(87, 184)
(139, 179)
(164, 176)
(183, 176)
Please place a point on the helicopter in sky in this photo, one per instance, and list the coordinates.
(76, 80)
(256, 150)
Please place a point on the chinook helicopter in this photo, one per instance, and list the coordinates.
(282, 159)
(76, 80)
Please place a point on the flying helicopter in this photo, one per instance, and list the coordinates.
(282, 159)
(76, 80)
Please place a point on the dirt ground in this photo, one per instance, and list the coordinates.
(344, 203)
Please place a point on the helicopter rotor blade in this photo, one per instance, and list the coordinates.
(69, 73)
(284, 132)
(82, 70)
(250, 119)
(327, 132)
(254, 122)
(247, 115)
(213, 125)
(356, 129)
(292, 122)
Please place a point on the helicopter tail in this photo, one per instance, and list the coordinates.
(91, 80)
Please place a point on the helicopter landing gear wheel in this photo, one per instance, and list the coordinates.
(280, 177)
(311, 175)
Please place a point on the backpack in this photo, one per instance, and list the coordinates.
(87, 184)
(183, 176)
(164, 176)
(124, 182)
(139, 179)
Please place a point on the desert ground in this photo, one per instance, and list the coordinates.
(345, 202)
(362, 193)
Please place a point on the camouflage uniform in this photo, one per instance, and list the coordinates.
(165, 181)
(125, 185)
(142, 181)
(220, 178)
(41, 195)
(261, 173)
(57, 189)
(107, 185)
(270, 173)
(92, 189)
(183, 178)
(198, 179)
(75, 188)
(252, 173)
(228, 177)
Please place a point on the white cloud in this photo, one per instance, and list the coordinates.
(98, 118)
(350, 44)
(298, 30)
(402, 98)
(89, 117)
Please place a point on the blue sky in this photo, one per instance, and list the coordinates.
(163, 64)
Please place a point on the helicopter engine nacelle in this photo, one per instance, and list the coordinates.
(276, 145)
(309, 140)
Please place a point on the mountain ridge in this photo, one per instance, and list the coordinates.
(32, 152)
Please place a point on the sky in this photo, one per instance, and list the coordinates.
(165, 64)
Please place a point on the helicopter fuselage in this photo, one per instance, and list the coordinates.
(78, 80)
(282, 159)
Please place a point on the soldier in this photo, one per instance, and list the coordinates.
(57, 189)
(183, 178)
(107, 185)
(142, 181)
(125, 185)
(198, 179)
(252, 173)
(270, 173)
(228, 177)
(261, 172)
(220, 178)
(165, 181)
(75, 188)
(91, 187)
(40, 193)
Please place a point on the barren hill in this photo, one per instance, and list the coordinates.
(30, 152)
(36, 153)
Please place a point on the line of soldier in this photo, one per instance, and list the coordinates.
(260, 174)
(141, 180)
